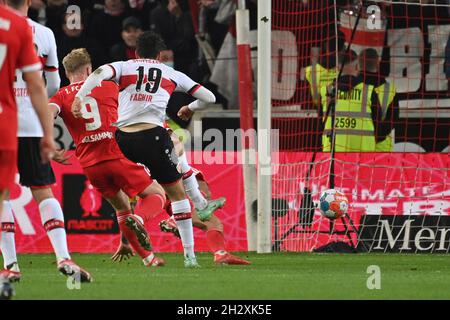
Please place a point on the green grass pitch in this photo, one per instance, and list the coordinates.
(271, 276)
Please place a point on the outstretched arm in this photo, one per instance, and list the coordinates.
(105, 72)
(203, 95)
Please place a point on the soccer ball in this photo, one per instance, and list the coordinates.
(333, 204)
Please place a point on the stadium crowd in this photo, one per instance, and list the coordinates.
(109, 30)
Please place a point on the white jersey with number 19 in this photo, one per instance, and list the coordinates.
(145, 89)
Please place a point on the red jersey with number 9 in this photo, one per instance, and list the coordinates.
(93, 134)
(16, 52)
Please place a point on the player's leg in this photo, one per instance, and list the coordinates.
(214, 232)
(155, 149)
(216, 242)
(204, 206)
(52, 219)
(8, 159)
(182, 214)
(133, 230)
(8, 245)
(136, 181)
(215, 235)
(39, 177)
(108, 178)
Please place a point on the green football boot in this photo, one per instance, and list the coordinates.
(191, 262)
(213, 205)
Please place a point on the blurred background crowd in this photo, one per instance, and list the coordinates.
(200, 34)
(194, 31)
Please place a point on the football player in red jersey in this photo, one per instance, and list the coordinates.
(114, 176)
(17, 52)
(146, 86)
(33, 172)
(206, 221)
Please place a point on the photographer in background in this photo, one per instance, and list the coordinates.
(126, 49)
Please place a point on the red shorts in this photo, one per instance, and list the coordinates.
(108, 177)
(8, 163)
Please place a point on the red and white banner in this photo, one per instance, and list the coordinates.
(407, 184)
(91, 224)
(378, 185)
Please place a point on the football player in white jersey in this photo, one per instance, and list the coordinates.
(35, 174)
(146, 86)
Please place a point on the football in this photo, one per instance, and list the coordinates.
(333, 204)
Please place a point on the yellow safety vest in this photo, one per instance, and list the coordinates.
(318, 76)
(386, 94)
(354, 128)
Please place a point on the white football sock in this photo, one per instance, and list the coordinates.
(180, 210)
(8, 243)
(191, 185)
(184, 164)
(52, 219)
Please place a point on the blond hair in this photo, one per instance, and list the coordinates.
(76, 59)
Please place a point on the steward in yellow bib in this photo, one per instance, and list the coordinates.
(360, 121)
(369, 64)
(323, 70)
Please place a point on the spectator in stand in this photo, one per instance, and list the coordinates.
(54, 13)
(217, 24)
(126, 49)
(141, 9)
(106, 26)
(72, 38)
(166, 57)
(172, 20)
(36, 11)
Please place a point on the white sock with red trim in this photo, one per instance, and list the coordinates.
(52, 219)
(183, 217)
(190, 184)
(8, 243)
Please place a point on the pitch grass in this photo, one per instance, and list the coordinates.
(271, 276)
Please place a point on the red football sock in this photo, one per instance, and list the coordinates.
(150, 206)
(168, 207)
(215, 240)
(130, 235)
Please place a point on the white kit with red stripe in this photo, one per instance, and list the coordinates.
(45, 45)
(145, 89)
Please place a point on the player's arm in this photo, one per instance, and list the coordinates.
(105, 72)
(383, 123)
(203, 96)
(51, 68)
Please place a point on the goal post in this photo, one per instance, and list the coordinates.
(390, 132)
(264, 183)
(246, 99)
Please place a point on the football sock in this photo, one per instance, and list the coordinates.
(184, 164)
(183, 217)
(52, 219)
(190, 184)
(130, 235)
(150, 206)
(215, 241)
(8, 245)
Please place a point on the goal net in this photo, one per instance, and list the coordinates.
(385, 141)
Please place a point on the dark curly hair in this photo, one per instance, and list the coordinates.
(149, 45)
